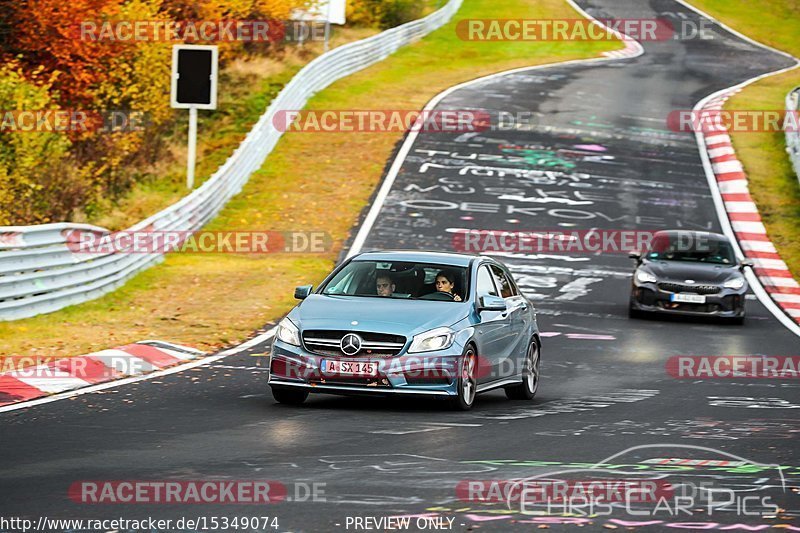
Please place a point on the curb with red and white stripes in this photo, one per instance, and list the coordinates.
(78, 372)
(632, 49)
(771, 280)
(744, 218)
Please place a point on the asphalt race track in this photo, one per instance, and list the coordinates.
(600, 133)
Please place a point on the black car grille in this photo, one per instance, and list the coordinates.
(328, 342)
(692, 308)
(375, 383)
(696, 289)
(424, 380)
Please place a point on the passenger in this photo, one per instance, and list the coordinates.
(384, 285)
(445, 281)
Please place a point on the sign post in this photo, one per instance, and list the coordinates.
(194, 86)
(191, 152)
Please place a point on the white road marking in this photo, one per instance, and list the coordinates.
(121, 382)
(252, 342)
(394, 170)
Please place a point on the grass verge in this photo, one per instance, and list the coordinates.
(247, 85)
(773, 183)
(309, 182)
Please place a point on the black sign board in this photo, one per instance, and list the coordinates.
(194, 77)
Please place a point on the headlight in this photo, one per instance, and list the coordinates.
(435, 339)
(645, 277)
(288, 332)
(735, 283)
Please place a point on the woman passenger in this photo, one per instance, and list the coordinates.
(445, 282)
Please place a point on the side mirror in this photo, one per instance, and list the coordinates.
(746, 263)
(302, 292)
(635, 255)
(491, 303)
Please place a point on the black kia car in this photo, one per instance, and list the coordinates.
(690, 273)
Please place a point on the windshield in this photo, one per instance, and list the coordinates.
(694, 248)
(400, 280)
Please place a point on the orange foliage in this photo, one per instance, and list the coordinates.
(47, 33)
(47, 62)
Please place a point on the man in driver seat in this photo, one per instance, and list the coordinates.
(384, 285)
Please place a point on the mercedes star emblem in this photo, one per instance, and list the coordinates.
(351, 344)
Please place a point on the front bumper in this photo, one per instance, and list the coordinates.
(728, 303)
(428, 374)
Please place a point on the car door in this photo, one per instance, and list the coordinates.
(492, 330)
(518, 317)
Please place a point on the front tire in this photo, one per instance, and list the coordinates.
(530, 376)
(467, 383)
(289, 396)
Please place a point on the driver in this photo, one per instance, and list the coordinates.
(384, 285)
(445, 281)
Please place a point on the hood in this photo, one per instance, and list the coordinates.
(393, 316)
(680, 271)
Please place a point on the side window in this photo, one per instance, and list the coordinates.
(514, 289)
(485, 283)
(506, 286)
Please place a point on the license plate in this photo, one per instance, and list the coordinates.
(353, 368)
(689, 298)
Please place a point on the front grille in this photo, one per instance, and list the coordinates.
(422, 380)
(353, 381)
(692, 308)
(696, 289)
(328, 342)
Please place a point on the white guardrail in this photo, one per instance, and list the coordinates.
(38, 271)
(793, 137)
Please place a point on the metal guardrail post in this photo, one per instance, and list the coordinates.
(793, 137)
